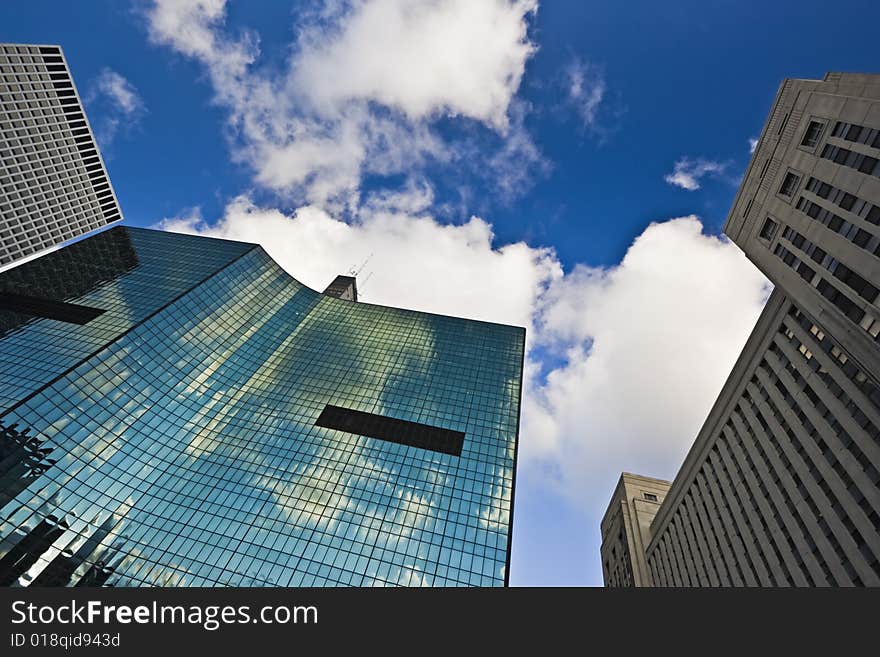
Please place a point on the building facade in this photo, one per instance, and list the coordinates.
(626, 529)
(53, 184)
(808, 211)
(343, 287)
(782, 485)
(177, 410)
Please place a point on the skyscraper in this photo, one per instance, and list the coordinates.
(343, 287)
(626, 529)
(178, 410)
(782, 486)
(53, 184)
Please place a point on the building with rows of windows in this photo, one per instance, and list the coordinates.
(782, 485)
(53, 184)
(178, 410)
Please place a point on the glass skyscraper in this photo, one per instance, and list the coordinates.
(178, 410)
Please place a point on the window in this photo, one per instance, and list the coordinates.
(768, 230)
(852, 159)
(650, 497)
(402, 432)
(789, 184)
(782, 125)
(812, 134)
(857, 133)
(48, 308)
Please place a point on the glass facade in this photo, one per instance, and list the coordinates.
(172, 439)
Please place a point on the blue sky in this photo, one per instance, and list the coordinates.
(561, 129)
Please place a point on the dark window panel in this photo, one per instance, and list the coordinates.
(402, 432)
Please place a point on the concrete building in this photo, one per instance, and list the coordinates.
(626, 529)
(343, 287)
(808, 210)
(782, 485)
(53, 184)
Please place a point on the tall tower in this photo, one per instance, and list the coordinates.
(808, 211)
(53, 184)
(782, 485)
(178, 410)
(626, 529)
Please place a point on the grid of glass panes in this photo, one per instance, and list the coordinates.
(185, 453)
(127, 272)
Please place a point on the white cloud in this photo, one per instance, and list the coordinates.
(121, 105)
(647, 346)
(586, 88)
(120, 91)
(688, 173)
(362, 88)
(515, 164)
(753, 144)
(454, 57)
(194, 28)
(416, 262)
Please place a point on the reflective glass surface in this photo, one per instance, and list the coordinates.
(172, 440)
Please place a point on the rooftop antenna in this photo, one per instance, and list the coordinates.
(357, 271)
(363, 283)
